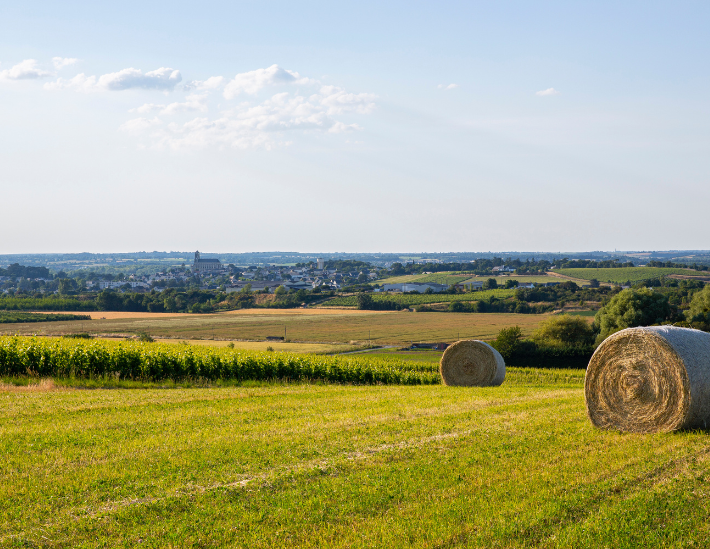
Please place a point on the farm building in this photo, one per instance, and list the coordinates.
(420, 287)
(202, 265)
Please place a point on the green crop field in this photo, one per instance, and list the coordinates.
(444, 277)
(12, 317)
(342, 466)
(324, 325)
(45, 357)
(408, 300)
(624, 274)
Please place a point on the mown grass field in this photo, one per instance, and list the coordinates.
(302, 325)
(624, 274)
(409, 300)
(454, 277)
(342, 466)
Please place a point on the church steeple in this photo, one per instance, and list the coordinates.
(197, 257)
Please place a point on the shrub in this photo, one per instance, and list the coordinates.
(564, 330)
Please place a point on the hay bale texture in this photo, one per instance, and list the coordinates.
(647, 380)
(472, 364)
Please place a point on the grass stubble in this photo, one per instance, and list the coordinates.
(342, 466)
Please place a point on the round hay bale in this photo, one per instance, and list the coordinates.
(648, 380)
(472, 364)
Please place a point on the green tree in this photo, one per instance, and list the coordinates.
(699, 313)
(508, 340)
(65, 286)
(280, 291)
(630, 308)
(511, 284)
(490, 284)
(594, 283)
(364, 301)
(564, 330)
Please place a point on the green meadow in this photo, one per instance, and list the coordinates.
(622, 275)
(318, 465)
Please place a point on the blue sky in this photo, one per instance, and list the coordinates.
(418, 126)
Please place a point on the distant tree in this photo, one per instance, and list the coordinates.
(246, 289)
(490, 284)
(397, 269)
(280, 291)
(65, 286)
(511, 284)
(364, 301)
(594, 283)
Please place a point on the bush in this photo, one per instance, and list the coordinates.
(564, 330)
(526, 353)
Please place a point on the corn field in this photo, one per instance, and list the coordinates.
(64, 358)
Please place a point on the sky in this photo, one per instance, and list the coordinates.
(355, 127)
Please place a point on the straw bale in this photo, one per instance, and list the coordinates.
(472, 364)
(647, 380)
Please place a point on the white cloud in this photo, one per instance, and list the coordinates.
(160, 79)
(61, 62)
(193, 103)
(449, 87)
(337, 101)
(548, 91)
(211, 83)
(25, 70)
(253, 81)
(264, 124)
(139, 125)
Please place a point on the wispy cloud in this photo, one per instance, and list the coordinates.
(447, 87)
(211, 83)
(548, 91)
(192, 103)
(160, 79)
(61, 62)
(25, 70)
(253, 81)
(264, 124)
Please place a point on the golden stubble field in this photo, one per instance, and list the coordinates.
(303, 325)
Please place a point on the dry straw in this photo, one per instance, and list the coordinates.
(472, 364)
(647, 380)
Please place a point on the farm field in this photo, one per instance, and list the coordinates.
(624, 274)
(277, 346)
(444, 277)
(302, 325)
(409, 300)
(342, 466)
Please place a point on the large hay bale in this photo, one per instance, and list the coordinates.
(647, 380)
(472, 364)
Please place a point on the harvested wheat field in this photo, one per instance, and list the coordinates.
(301, 325)
(343, 466)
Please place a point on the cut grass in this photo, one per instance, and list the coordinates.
(319, 325)
(333, 466)
(408, 300)
(627, 274)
